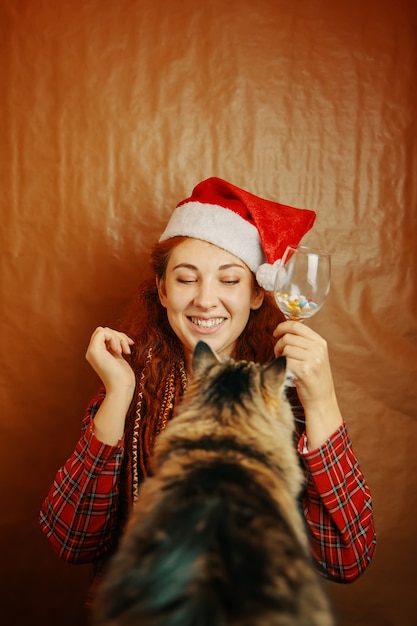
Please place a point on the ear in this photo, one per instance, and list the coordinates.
(257, 299)
(203, 357)
(160, 285)
(273, 374)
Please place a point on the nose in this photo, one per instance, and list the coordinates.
(205, 297)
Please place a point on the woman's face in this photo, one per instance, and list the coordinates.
(208, 294)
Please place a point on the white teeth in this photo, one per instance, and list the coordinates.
(207, 323)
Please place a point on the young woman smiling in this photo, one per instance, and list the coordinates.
(204, 286)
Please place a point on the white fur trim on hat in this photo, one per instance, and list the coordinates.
(220, 226)
(267, 273)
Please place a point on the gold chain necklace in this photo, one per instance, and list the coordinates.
(136, 425)
(169, 394)
(166, 408)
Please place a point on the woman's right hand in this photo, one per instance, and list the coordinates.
(106, 355)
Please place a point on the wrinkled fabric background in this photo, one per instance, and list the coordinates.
(111, 112)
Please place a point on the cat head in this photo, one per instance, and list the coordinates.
(205, 359)
(239, 388)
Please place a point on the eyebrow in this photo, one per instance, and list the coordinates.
(189, 266)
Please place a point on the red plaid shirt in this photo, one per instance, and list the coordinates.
(79, 515)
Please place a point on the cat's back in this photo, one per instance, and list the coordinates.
(219, 545)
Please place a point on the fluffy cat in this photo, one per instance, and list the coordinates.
(217, 538)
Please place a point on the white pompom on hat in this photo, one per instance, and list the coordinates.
(254, 229)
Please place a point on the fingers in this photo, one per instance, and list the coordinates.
(120, 343)
(294, 328)
(300, 343)
(307, 357)
(116, 342)
(106, 354)
(125, 343)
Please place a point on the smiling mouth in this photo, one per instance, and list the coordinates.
(204, 323)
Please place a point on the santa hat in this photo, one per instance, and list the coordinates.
(255, 230)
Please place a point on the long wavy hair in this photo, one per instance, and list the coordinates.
(146, 322)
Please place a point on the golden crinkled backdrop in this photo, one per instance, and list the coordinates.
(111, 111)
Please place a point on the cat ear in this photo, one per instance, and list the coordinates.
(273, 374)
(203, 357)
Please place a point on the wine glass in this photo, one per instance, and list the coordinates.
(302, 284)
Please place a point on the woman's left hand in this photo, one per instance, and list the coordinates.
(308, 359)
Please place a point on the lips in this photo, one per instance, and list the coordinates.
(207, 323)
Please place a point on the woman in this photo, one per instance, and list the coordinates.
(204, 287)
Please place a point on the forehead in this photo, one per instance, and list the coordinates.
(201, 254)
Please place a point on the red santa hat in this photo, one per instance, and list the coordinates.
(255, 230)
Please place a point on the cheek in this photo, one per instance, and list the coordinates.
(240, 309)
(175, 300)
(243, 302)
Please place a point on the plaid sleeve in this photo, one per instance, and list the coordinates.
(79, 513)
(338, 508)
